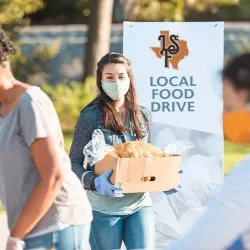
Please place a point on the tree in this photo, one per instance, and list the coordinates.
(15, 11)
(233, 12)
(99, 33)
(178, 10)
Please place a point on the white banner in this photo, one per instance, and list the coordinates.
(177, 76)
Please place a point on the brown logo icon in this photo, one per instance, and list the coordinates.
(172, 48)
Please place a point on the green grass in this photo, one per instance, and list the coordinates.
(232, 153)
(67, 141)
(1, 208)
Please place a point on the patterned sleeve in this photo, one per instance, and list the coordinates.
(82, 135)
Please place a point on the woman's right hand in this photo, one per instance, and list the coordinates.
(104, 187)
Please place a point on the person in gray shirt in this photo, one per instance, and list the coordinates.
(46, 204)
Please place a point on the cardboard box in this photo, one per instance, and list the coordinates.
(163, 173)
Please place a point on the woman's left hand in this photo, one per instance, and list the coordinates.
(15, 244)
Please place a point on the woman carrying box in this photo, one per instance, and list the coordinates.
(45, 202)
(116, 217)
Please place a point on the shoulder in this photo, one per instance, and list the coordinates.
(34, 93)
(35, 100)
(146, 113)
(91, 111)
(37, 116)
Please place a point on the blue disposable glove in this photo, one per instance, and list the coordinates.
(104, 187)
(237, 245)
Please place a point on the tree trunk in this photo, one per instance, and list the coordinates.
(99, 33)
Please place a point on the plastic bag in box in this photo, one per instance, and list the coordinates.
(97, 149)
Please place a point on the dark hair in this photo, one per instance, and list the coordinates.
(109, 115)
(6, 47)
(238, 72)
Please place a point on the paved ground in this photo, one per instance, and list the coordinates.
(3, 231)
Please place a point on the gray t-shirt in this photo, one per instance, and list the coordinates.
(34, 117)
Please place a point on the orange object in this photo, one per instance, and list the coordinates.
(236, 125)
(138, 149)
(113, 154)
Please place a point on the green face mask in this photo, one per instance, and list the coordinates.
(116, 90)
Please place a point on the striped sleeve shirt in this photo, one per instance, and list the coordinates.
(227, 217)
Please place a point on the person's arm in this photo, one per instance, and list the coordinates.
(43, 195)
(148, 119)
(82, 135)
(39, 126)
(149, 126)
(226, 218)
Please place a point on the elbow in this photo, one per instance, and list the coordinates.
(54, 181)
(58, 180)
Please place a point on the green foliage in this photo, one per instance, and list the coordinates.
(78, 11)
(212, 6)
(62, 12)
(179, 10)
(15, 11)
(159, 10)
(69, 100)
(13, 16)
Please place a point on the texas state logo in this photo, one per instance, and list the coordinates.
(172, 49)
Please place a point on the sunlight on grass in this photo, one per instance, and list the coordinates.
(232, 154)
(67, 141)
